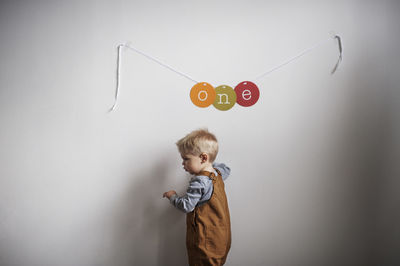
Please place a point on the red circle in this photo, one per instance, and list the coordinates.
(247, 93)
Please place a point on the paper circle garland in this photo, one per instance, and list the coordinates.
(224, 97)
(247, 93)
(202, 94)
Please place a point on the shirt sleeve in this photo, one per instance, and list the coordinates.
(188, 202)
(225, 170)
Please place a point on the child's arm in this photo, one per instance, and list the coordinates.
(225, 170)
(191, 198)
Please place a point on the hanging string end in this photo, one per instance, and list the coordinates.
(118, 78)
(339, 41)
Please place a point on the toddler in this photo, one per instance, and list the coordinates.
(208, 227)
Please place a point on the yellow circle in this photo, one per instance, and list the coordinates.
(202, 94)
(225, 98)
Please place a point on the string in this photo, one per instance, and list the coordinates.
(120, 46)
(340, 53)
(306, 51)
(160, 63)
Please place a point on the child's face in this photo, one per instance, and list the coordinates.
(192, 163)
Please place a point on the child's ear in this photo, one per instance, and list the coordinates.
(204, 157)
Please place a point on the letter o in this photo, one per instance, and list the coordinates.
(197, 97)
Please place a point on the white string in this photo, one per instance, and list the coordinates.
(188, 77)
(300, 55)
(149, 57)
(118, 76)
(161, 63)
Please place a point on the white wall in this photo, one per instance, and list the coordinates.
(314, 174)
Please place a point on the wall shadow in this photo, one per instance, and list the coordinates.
(147, 229)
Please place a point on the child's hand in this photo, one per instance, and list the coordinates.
(169, 194)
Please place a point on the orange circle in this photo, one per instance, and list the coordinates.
(202, 94)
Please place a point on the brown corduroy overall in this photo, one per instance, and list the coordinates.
(208, 234)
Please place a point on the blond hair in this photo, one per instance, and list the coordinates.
(198, 142)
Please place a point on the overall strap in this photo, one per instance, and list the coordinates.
(210, 174)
